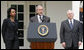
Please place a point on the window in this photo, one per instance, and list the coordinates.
(32, 11)
(20, 18)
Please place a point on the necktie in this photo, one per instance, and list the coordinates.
(41, 18)
(71, 25)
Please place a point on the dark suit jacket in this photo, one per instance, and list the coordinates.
(69, 35)
(9, 30)
(35, 19)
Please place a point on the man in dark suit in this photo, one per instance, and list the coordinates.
(41, 18)
(70, 32)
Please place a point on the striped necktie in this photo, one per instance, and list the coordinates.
(71, 25)
(41, 18)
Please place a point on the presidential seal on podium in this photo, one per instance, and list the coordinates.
(43, 30)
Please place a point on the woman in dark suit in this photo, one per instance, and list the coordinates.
(9, 30)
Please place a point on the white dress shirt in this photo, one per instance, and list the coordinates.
(71, 20)
(39, 18)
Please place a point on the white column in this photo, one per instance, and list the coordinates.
(75, 8)
(3, 16)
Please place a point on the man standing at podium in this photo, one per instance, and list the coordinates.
(70, 32)
(41, 18)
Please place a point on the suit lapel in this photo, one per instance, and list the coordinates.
(74, 24)
(68, 24)
(36, 18)
(44, 18)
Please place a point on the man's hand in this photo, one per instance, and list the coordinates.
(79, 43)
(64, 44)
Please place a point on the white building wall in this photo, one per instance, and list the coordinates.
(76, 9)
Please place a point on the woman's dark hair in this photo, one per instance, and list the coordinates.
(8, 12)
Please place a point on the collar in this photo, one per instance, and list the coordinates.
(71, 20)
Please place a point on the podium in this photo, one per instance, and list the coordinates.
(42, 35)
